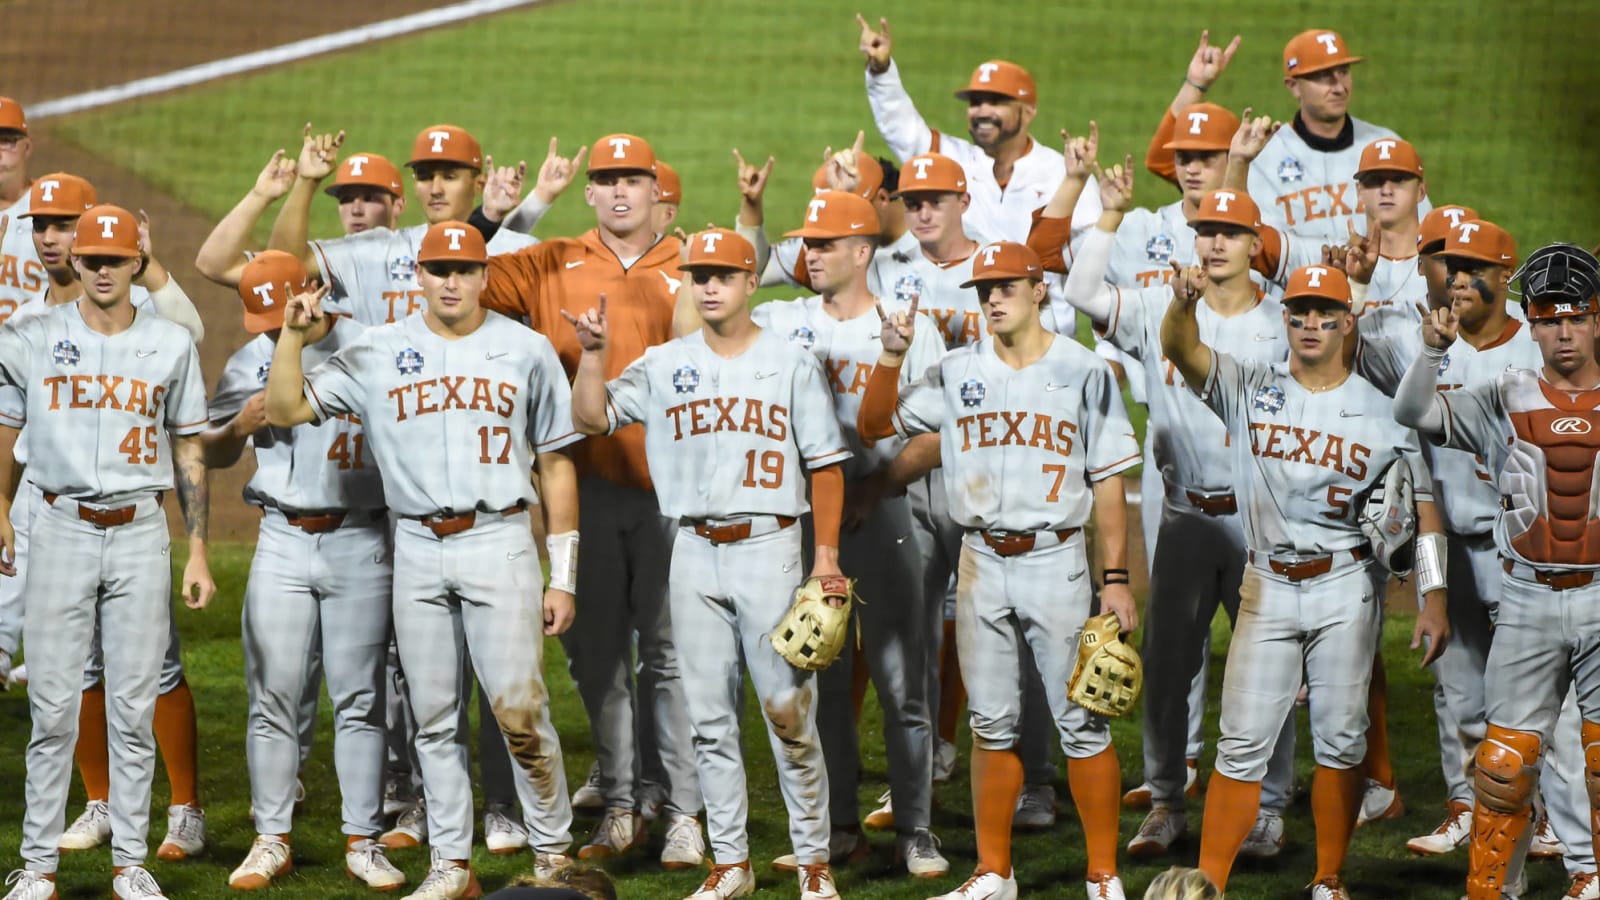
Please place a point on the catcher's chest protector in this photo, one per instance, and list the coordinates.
(1555, 450)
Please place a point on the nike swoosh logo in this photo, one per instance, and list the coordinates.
(574, 265)
(517, 555)
(1056, 387)
(855, 225)
(1265, 337)
(144, 353)
(790, 566)
(496, 355)
(902, 540)
(876, 337)
(761, 375)
(1076, 575)
(1348, 415)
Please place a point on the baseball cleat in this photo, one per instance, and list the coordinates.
(984, 886)
(1162, 828)
(1106, 887)
(845, 847)
(1453, 832)
(685, 847)
(882, 818)
(1141, 796)
(1265, 839)
(503, 831)
(652, 800)
(920, 853)
(269, 858)
(1585, 886)
(944, 761)
(134, 883)
(546, 863)
(1330, 888)
(89, 830)
(1379, 803)
(26, 885)
(1036, 808)
(364, 861)
(619, 831)
(410, 830)
(588, 798)
(19, 677)
(447, 880)
(186, 834)
(1545, 843)
(733, 880)
(816, 882)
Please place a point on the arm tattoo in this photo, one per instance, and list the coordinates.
(193, 484)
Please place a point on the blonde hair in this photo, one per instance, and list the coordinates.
(587, 880)
(1182, 884)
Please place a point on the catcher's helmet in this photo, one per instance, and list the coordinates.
(1558, 274)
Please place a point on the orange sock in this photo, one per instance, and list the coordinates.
(350, 840)
(1377, 765)
(996, 785)
(1096, 784)
(93, 753)
(1335, 800)
(177, 736)
(1231, 808)
(859, 677)
(952, 690)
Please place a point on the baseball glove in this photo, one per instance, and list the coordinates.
(1109, 673)
(812, 633)
(1389, 518)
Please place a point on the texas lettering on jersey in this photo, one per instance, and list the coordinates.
(1292, 443)
(714, 414)
(447, 392)
(102, 391)
(1006, 428)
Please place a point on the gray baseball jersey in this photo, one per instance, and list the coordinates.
(1313, 192)
(1062, 414)
(789, 253)
(450, 423)
(848, 350)
(768, 408)
(374, 274)
(1301, 458)
(307, 468)
(21, 273)
(1148, 242)
(101, 406)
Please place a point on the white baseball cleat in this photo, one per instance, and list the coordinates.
(1585, 886)
(652, 800)
(1142, 796)
(503, 831)
(882, 818)
(364, 861)
(1266, 839)
(685, 847)
(984, 886)
(410, 830)
(920, 853)
(816, 882)
(1545, 843)
(1379, 803)
(447, 880)
(1036, 808)
(1106, 887)
(1453, 832)
(546, 863)
(186, 834)
(26, 885)
(588, 798)
(944, 761)
(1163, 827)
(619, 831)
(89, 830)
(134, 883)
(269, 859)
(732, 880)
(845, 847)
(1330, 888)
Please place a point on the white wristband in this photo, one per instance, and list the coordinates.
(563, 549)
(1431, 561)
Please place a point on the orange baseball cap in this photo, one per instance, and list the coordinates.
(1390, 155)
(1203, 126)
(932, 173)
(869, 177)
(1000, 77)
(453, 241)
(60, 194)
(1315, 50)
(267, 282)
(446, 144)
(1323, 282)
(667, 181)
(12, 116)
(367, 170)
(1482, 241)
(106, 231)
(1004, 261)
(719, 248)
(837, 214)
(1225, 207)
(1438, 223)
(622, 153)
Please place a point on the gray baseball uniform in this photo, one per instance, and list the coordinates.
(374, 274)
(729, 442)
(1312, 191)
(22, 275)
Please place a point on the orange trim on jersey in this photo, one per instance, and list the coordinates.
(1396, 258)
(1116, 314)
(1512, 327)
(1093, 472)
(316, 402)
(1562, 400)
(20, 422)
(539, 448)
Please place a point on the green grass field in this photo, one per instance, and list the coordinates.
(1496, 95)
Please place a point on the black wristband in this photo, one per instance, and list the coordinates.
(481, 222)
(1108, 572)
(1201, 88)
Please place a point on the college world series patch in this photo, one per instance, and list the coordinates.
(1159, 249)
(402, 268)
(408, 361)
(1269, 399)
(1290, 172)
(65, 353)
(686, 379)
(803, 336)
(972, 391)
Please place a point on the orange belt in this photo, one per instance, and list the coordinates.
(331, 520)
(1301, 570)
(444, 524)
(1555, 581)
(1012, 543)
(731, 532)
(1215, 505)
(101, 518)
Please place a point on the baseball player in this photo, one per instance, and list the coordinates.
(669, 196)
(839, 327)
(1308, 438)
(21, 272)
(320, 581)
(99, 367)
(1000, 409)
(738, 421)
(495, 408)
(1530, 429)
(628, 541)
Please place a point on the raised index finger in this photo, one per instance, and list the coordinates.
(879, 307)
(552, 153)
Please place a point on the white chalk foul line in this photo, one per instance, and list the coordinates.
(272, 56)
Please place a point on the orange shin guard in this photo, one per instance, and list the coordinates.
(1591, 778)
(1506, 776)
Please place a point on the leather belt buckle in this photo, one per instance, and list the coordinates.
(732, 532)
(445, 524)
(100, 518)
(1216, 505)
(1555, 581)
(320, 523)
(1304, 569)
